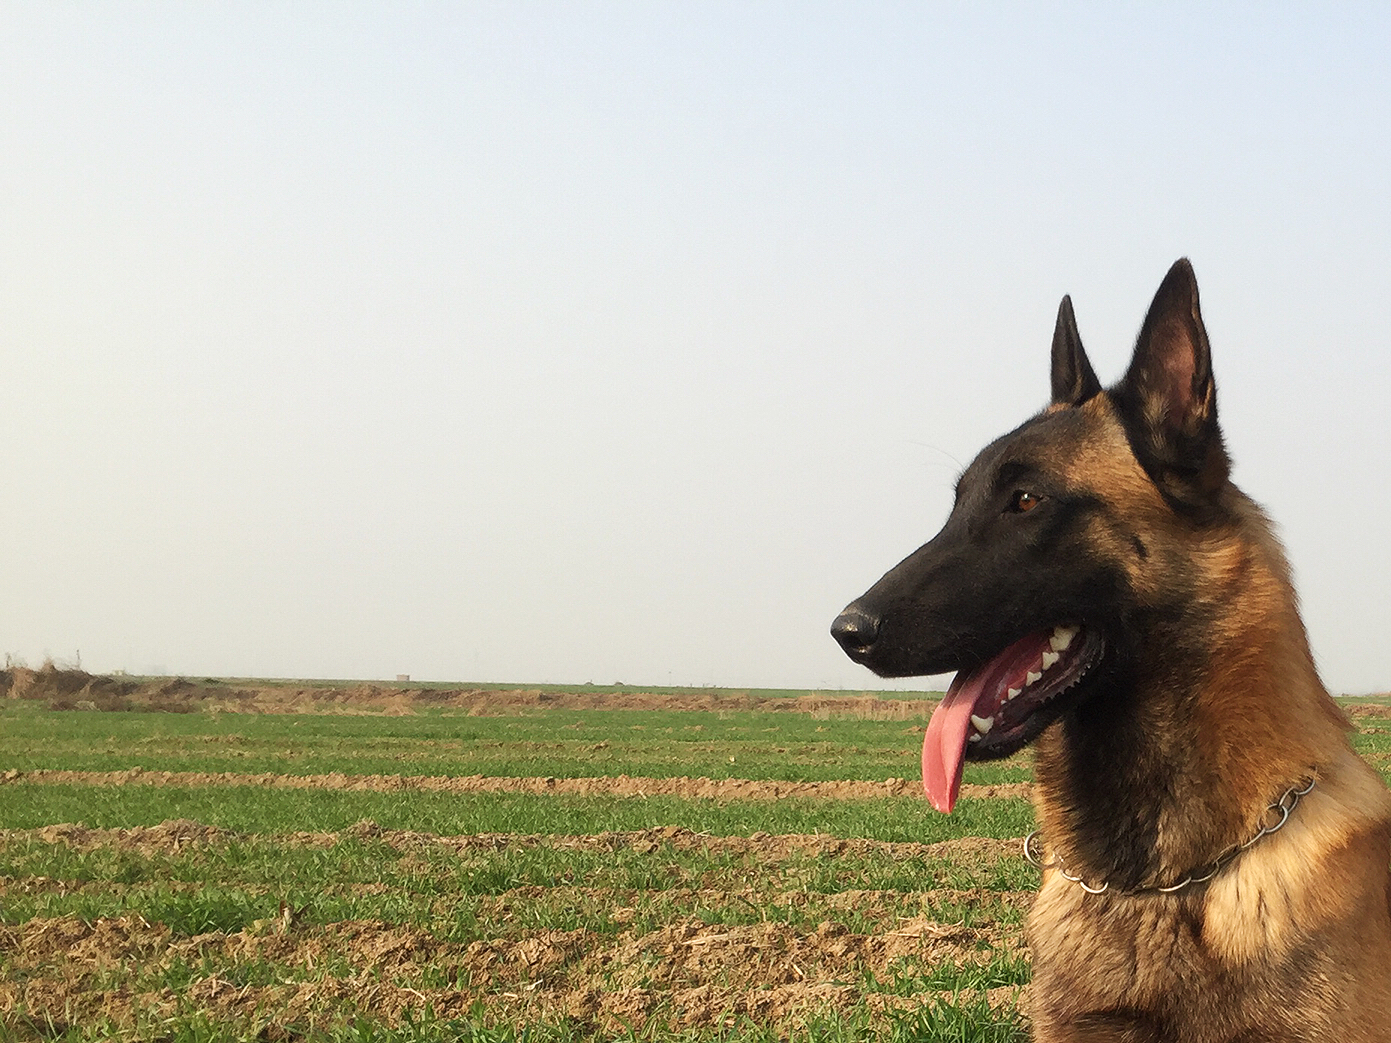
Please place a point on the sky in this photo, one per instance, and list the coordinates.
(536, 342)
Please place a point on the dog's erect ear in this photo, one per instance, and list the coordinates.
(1074, 380)
(1168, 400)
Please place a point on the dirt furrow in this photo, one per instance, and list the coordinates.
(683, 974)
(177, 835)
(618, 786)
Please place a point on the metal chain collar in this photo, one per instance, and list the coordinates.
(1281, 809)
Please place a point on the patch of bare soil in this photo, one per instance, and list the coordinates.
(619, 786)
(68, 689)
(177, 835)
(683, 974)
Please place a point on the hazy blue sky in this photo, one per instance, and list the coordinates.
(567, 342)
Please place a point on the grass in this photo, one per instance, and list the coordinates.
(192, 932)
(560, 743)
(502, 917)
(232, 884)
(387, 942)
(969, 1021)
(251, 809)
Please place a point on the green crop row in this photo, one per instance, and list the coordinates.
(560, 743)
(233, 882)
(253, 809)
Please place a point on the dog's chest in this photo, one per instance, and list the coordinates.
(1138, 968)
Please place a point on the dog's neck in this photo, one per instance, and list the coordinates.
(1161, 771)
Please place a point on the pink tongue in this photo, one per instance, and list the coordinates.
(977, 692)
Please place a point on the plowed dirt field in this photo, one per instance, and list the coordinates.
(660, 933)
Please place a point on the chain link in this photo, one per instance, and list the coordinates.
(1280, 811)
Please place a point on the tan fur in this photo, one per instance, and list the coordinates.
(1292, 941)
(1297, 879)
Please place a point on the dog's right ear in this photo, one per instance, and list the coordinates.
(1168, 401)
(1074, 380)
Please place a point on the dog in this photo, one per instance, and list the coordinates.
(1216, 858)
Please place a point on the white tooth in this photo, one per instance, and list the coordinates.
(1013, 692)
(983, 724)
(1062, 637)
(1049, 658)
(1030, 678)
(973, 737)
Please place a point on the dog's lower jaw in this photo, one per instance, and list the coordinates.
(1026, 713)
(999, 705)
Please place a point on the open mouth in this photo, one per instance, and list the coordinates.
(1002, 705)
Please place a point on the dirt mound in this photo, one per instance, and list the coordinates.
(171, 836)
(75, 689)
(620, 786)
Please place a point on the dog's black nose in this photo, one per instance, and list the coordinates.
(856, 629)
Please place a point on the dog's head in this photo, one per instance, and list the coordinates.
(1057, 549)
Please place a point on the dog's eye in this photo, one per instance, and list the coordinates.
(1023, 500)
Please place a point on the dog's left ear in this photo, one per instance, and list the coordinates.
(1074, 380)
(1168, 400)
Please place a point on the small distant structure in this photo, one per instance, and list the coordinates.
(401, 678)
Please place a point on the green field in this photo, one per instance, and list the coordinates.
(269, 811)
(561, 743)
(133, 907)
